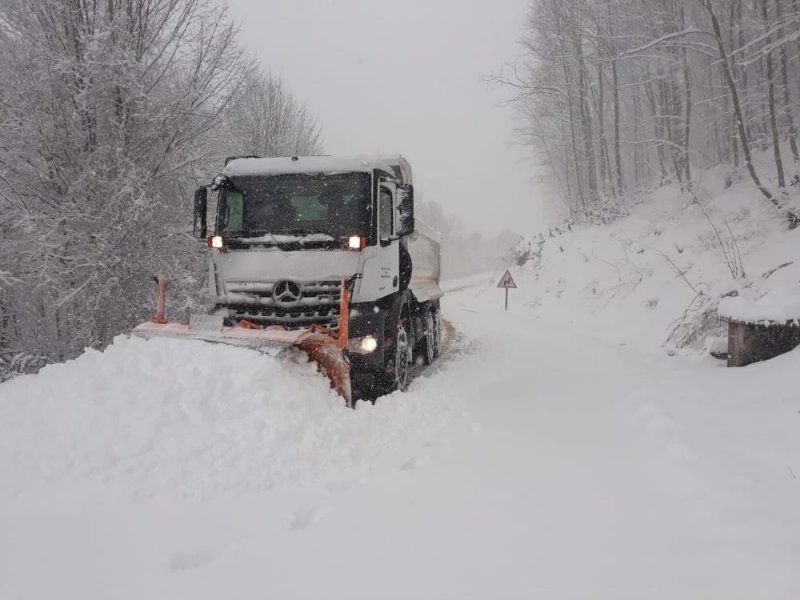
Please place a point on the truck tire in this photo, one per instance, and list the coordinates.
(398, 365)
(432, 339)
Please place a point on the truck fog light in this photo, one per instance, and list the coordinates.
(369, 344)
(364, 345)
(216, 241)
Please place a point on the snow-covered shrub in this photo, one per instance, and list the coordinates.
(19, 363)
(698, 322)
(526, 251)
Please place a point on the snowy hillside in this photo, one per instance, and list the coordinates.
(656, 276)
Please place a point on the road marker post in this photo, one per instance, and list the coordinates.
(506, 282)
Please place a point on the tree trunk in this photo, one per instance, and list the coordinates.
(687, 119)
(773, 121)
(605, 167)
(617, 148)
(567, 78)
(731, 135)
(637, 155)
(787, 100)
(657, 125)
(586, 124)
(726, 69)
(745, 108)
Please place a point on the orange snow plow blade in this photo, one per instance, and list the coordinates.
(324, 347)
(324, 350)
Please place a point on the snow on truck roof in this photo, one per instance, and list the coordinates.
(318, 164)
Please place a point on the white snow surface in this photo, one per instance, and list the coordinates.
(651, 278)
(556, 451)
(775, 306)
(183, 419)
(537, 461)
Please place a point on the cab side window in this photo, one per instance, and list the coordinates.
(386, 213)
(232, 216)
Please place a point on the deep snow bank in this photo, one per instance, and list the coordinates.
(657, 276)
(189, 419)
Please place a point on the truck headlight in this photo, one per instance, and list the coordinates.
(216, 241)
(356, 242)
(363, 345)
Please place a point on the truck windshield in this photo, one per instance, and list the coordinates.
(298, 204)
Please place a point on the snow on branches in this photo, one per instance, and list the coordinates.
(623, 94)
(110, 114)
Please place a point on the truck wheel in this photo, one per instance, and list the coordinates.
(399, 364)
(433, 335)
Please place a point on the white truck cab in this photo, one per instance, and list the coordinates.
(288, 231)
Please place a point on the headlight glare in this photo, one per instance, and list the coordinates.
(363, 345)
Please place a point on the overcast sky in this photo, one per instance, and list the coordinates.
(405, 77)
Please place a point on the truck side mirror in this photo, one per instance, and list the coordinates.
(405, 210)
(200, 213)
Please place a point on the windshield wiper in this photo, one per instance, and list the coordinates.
(303, 231)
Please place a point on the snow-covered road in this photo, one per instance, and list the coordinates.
(536, 462)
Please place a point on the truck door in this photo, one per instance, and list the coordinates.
(382, 270)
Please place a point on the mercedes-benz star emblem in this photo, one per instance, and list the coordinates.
(286, 292)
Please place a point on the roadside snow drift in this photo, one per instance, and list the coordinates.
(187, 419)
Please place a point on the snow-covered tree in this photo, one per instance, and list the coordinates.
(267, 120)
(619, 94)
(109, 112)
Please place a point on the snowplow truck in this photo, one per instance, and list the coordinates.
(324, 254)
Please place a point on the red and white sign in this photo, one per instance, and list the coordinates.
(506, 281)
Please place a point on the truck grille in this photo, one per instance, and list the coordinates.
(318, 304)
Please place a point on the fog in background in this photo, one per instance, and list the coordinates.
(389, 77)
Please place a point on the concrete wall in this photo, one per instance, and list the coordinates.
(749, 343)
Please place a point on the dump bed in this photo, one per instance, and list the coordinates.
(424, 246)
